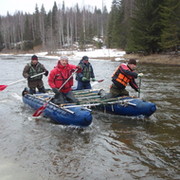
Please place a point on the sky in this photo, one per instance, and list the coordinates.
(28, 6)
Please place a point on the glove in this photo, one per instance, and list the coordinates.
(140, 74)
(84, 79)
(93, 79)
(46, 73)
(29, 78)
(55, 90)
(78, 68)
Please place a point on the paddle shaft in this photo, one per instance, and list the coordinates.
(2, 87)
(68, 79)
(42, 108)
(25, 79)
(139, 87)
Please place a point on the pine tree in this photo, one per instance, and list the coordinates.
(146, 28)
(27, 36)
(113, 29)
(36, 27)
(1, 37)
(170, 20)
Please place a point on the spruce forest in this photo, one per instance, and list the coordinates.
(140, 26)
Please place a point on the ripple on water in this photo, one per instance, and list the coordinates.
(113, 147)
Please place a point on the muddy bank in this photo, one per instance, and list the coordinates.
(156, 58)
(150, 59)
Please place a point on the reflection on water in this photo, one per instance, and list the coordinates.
(113, 147)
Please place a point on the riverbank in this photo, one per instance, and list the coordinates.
(171, 59)
(109, 54)
(168, 59)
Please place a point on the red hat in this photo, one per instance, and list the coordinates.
(34, 57)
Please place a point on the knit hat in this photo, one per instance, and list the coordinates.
(85, 58)
(64, 58)
(34, 57)
(132, 61)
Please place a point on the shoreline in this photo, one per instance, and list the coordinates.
(166, 59)
(173, 60)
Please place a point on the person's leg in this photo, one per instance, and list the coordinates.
(42, 90)
(79, 85)
(58, 98)
(40, 86)
(124, 92)
(87, 85)
(116, 92)
(70, 97)
(32, 87)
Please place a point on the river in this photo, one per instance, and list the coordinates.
(113, 147)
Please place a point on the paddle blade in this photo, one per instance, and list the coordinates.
(100, 80)
(40, 110)
(96, 82)
(2, 87)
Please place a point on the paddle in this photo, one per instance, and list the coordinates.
(42, 108)
(139, 87)
(2, 87)
(96, 82)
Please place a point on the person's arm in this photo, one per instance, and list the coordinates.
(26, 71)
(44, 70)
(80, 74)
(92, 72)
(133, 84)
(73, 67)
(51, 81)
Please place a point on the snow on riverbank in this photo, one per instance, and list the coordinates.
(109, 54)
(91, 53)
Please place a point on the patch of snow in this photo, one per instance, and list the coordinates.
(75, 54)
(119, 59)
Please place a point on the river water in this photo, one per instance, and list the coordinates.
(113, 147)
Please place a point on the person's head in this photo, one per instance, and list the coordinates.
(132, 63)
(85, 59)
(63, 60)
(34, 59)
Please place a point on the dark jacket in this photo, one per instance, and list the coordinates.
(87, 71)
(31, 70)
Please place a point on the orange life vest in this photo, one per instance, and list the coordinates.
(121, 78)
